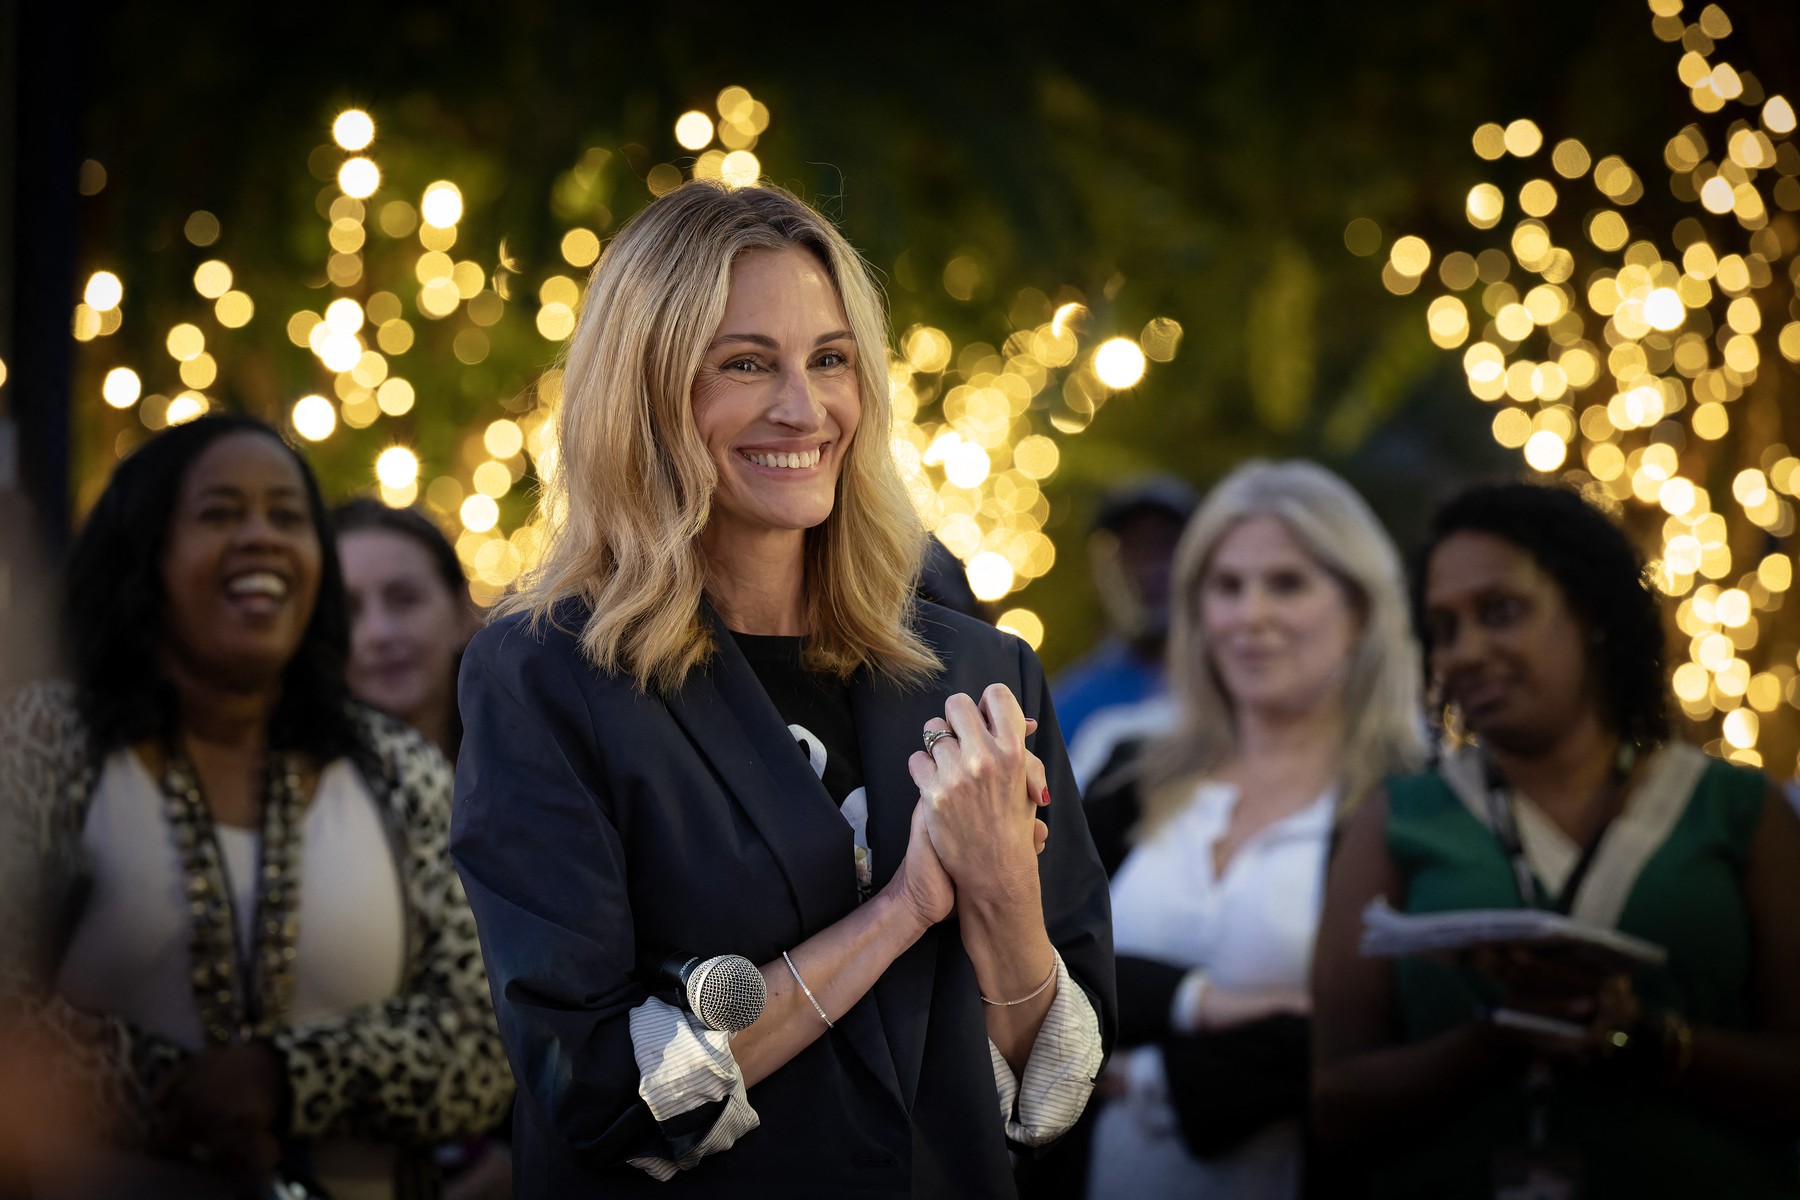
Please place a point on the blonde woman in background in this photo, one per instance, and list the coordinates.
(1296, 681)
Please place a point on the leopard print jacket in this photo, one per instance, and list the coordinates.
(422, 1067)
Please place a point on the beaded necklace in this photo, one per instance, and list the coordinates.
(241, 993)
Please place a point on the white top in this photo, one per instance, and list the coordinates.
(1252, 927)
(129, 953)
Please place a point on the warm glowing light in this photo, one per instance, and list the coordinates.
(556, 321)
(1523, 138)
(1741, 728)
(967, 465)
(1119, 363)
(580, 247)
(1750, 487)
(503, 438)
(314, 418)
(1664, 310)
(1732, 608)
(394, 397)
(103, 291)
(990, 575)
(740, 169)
(693, 130)
(1545, 451)
(234, 310)
(396, 467)
(344, 315)
(212, 279)
(359, 178)
(492, 479)
(442, 205)
(186, 342)
(185, 407)
(1677, 496)
(354, 129)
(339, 351)
(1410, 256)
(479, 513)
(1023, 623)
(1716, 195)
(1484, 206)
(1448, 320)
(121, 388)
(1690, 682)
(927, 350)
(1538, 197)
(1778, 115)
(1776, 572)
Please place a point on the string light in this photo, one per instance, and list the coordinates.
(1627, 365)
(976, 426)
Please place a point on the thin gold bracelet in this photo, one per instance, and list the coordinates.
(795, 972)
(1034, 994)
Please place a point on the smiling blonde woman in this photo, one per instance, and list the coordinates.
(716, 722)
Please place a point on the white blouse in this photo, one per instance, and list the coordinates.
(1252, 927)
(129, 952)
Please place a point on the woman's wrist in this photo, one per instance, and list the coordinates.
(899, 915)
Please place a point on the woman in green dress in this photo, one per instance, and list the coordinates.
(1545, 645)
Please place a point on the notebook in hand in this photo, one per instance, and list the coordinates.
(1390, 934)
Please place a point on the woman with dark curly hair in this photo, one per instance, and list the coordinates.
(1544, 643)
(260, 960)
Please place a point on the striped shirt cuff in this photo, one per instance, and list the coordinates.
(683, 1065)
(1059, 1075)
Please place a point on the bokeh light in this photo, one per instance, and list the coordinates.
(693, 130)
(122, 387)
(1119, 363)
(442, 204)
(314, 417)
(396, 467)
(359, 178)
(1646, 366)
(103, 291)
(354, 129)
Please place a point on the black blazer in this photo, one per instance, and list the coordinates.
(596, 824)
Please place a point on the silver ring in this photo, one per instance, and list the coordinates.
(934, 736)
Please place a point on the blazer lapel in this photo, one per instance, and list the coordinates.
(730, 718)
(889, 722)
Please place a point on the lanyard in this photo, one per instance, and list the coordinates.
(1506, 828)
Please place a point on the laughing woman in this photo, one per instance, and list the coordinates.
(258, 958)
(715, 722)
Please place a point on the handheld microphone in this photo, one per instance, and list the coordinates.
(726, 991)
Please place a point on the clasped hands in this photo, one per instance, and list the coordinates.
(975, 833)
(1562, 988)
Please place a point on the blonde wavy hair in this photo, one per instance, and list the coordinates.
(635, 487)
(1333, 525)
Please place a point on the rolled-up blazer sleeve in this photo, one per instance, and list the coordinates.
(535, 840)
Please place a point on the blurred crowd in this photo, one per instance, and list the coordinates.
(250, 963)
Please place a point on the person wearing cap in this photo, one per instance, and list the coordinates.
(1132, 548)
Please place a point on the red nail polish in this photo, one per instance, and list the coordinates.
(1044, 798)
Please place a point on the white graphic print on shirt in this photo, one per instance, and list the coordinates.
(855, 808)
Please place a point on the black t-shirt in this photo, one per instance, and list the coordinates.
(816, 710)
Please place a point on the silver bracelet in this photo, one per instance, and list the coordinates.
(1035, 992)
(795, 972)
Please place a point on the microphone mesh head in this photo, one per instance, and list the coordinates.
(727, 993)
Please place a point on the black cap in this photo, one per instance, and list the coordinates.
(1154, 493)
